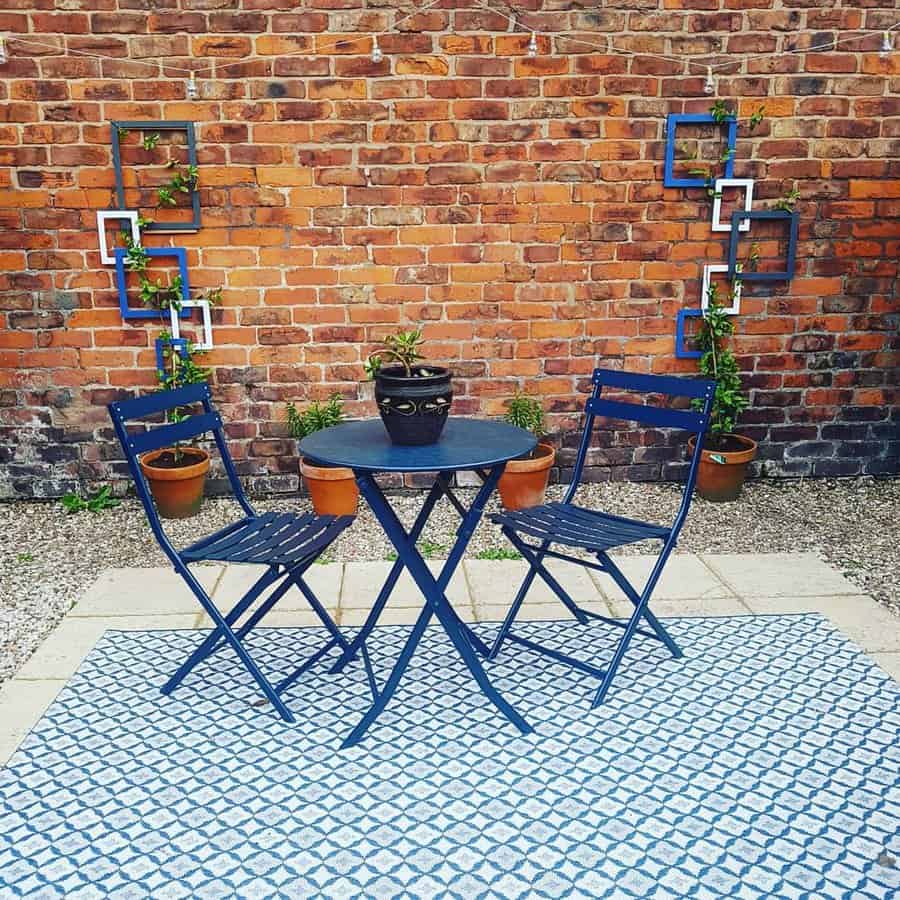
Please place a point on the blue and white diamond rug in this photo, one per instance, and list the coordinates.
(763, 764)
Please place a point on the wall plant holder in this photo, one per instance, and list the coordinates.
(112, 215)
(203, 306)
(119, 128)
(681, 348)
(177, 345)
(708, 272)
(720, 184)
(672, 122)
(129, 312)
(793, 222)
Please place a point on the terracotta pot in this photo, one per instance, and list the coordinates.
(177, 490)
(524, 481)
(721, 473)
(333, 489)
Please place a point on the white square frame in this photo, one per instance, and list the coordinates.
(106, 215)
(708, 272)
(203, 306)
(747, 185)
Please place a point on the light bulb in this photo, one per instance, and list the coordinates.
(532, 45)
(886, 46)
(4, 56)
(709, 86)
(377, 55)
(192, 91)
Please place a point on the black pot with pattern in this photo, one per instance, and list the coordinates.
(414, 408)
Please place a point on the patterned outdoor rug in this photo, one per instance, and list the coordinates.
(765, 763)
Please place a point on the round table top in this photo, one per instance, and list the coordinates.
(464, 444)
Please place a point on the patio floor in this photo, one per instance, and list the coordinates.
(143, 599)
(763, 763)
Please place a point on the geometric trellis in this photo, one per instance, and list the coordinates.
(765, 763)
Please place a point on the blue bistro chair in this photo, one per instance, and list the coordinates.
(286, 543)
(596, 532)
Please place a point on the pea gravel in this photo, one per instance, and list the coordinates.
(50, 557)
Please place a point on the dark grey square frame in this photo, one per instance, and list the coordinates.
(188, 129)
(767, 215)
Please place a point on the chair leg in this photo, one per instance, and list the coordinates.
(635, 598)
(516, 604)
(214, 640)
(537, 561)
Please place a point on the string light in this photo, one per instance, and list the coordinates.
(709, 86)
(192, 91)
(533, 45)
(886, 46)
(4, 56)
(377, 55)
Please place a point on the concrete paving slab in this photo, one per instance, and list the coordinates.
(890, 662)
(22, 703)
(63, 651)
(323, 578)
(363, 581)
(685, 577)
(496, 581)
(144, 592)
(778, 575)
(864, 621)
(702, 606)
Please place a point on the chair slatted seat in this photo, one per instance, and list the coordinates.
(535, 531)
(286, 544)
(576, 526)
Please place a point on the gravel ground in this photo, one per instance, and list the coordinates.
(50, 557)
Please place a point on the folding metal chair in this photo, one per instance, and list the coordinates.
(597, 532)
(286, 543)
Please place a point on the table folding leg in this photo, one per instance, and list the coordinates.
(433, 590)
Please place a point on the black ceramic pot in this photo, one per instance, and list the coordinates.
(413, 409)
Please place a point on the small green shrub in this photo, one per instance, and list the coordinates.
(315, 417)
(526, 412)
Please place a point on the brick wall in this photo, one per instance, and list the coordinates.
(513, 206)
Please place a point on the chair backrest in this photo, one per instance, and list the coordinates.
(134, 443)
(696, 421)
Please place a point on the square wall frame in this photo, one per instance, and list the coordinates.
(114, 215)
(188, 129)
(681, 351)
(766, 215)
(178, 345)
(129, 312)
(672, 122)
(708, 272)
(747, 185)
(203, 306)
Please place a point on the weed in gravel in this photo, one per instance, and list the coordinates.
(102, 500)
(498, 553)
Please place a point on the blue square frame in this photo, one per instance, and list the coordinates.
(188, 129)
(121, 282)
(179, 345)
(763, 215)
(681, 352)
(673, 120)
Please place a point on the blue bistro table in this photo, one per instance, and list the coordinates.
(466, 444)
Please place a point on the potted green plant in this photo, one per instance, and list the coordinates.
(725, 455)
(176, 474)
(413, 399)
(332, 489)
(524, 480)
